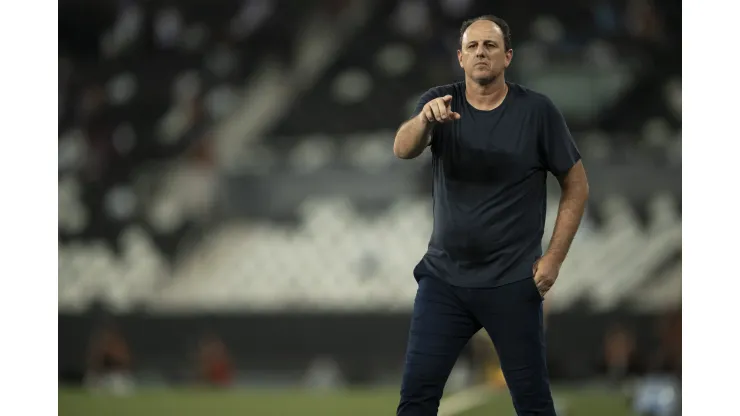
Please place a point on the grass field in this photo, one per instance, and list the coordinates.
(296, 402)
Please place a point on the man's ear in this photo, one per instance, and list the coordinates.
(509, 57)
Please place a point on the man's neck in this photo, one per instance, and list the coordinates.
(486, 97)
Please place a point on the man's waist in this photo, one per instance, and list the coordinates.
(471, 255)
(475, 250)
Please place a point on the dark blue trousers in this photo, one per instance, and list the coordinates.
(445, 317)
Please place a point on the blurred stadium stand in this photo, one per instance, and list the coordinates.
(236, 158)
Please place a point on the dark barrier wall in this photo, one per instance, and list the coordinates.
(366, 346)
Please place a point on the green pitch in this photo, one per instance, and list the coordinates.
(255, 402)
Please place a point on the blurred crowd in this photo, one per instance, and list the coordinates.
(143, 85)
(111, 365)
(646, 371)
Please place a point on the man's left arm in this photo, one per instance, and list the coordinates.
(561, 157)
(574, 194)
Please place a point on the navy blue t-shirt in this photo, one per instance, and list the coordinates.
(490, 170)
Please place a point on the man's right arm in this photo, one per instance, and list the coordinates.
(413, 137)
(416, 134)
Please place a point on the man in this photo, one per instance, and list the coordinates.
(493, 143)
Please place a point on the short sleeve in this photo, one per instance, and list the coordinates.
(559, 150)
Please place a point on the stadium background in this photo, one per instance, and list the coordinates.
(236, 236)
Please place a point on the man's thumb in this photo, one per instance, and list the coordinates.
(447, 98)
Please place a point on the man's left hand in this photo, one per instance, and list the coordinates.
(546, 271)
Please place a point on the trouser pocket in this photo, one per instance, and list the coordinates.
(536, 290)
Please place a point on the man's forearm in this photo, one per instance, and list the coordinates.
(412, 138)
(574, 187)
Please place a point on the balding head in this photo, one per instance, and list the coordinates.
(485, 48)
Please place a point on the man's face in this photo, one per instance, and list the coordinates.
(483, 55)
